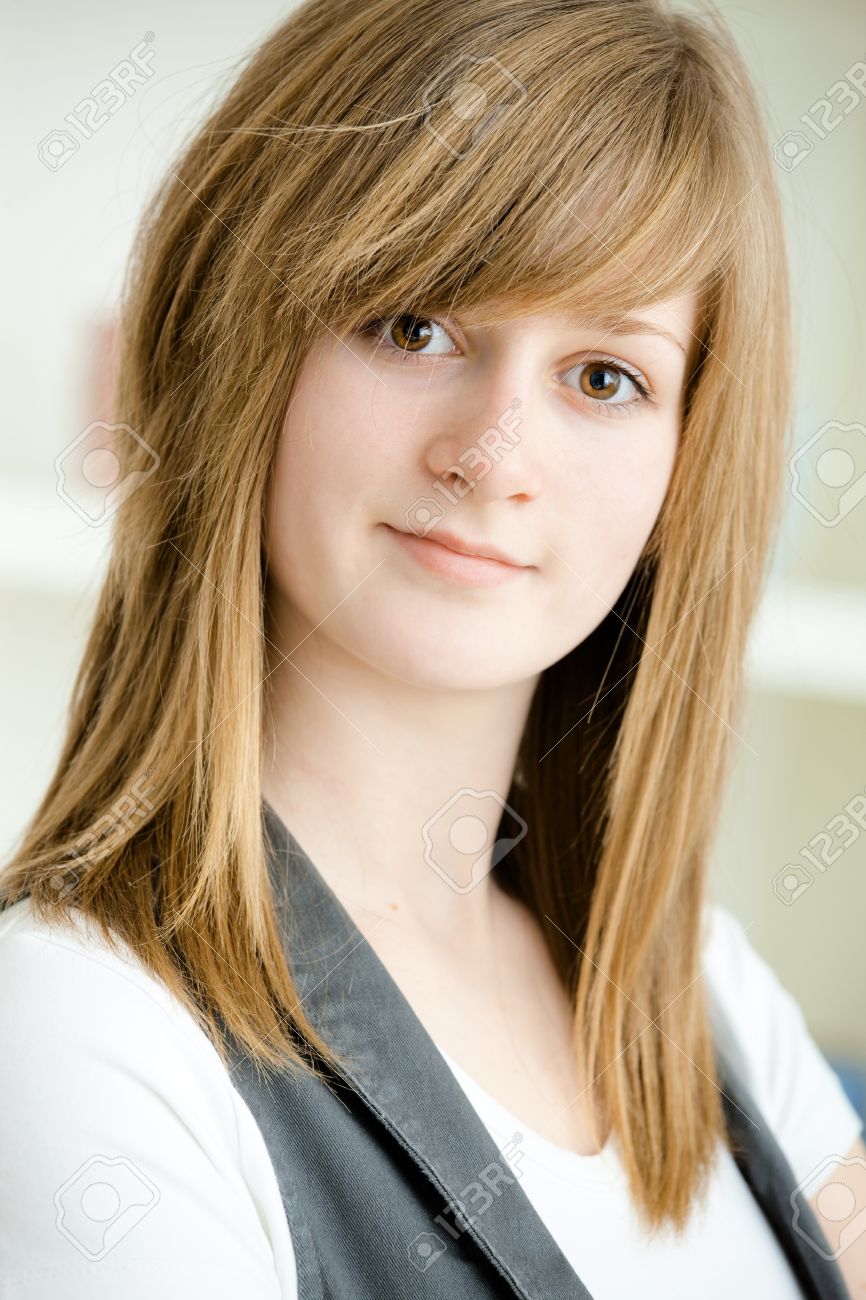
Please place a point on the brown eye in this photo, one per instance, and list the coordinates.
(410, 333)
(610, 384)
(600, 381)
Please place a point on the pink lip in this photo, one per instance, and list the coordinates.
(468, 567)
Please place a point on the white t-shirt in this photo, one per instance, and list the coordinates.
(132, 1166)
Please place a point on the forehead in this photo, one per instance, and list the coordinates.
(674, 319)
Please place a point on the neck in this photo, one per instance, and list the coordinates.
(394, 790)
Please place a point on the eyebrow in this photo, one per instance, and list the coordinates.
(624, 325)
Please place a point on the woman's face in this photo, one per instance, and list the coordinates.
(545, 440)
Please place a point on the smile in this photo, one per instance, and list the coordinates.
(468, 570)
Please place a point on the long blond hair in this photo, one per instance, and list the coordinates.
(620, 159)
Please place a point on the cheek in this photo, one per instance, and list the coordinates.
(343, 435)
(308, 481)
(608, 496)
(330, 478)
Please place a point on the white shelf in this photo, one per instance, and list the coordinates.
(46, 546)
(810, 639)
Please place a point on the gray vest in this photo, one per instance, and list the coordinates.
(391, 1183)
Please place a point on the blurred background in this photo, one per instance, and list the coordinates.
(100, 111)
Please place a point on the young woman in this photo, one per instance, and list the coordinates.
(361, 945)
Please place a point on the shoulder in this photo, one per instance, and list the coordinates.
(112, 1092)
(69, 997)
(792, 1083)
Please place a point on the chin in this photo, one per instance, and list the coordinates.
(445, 652)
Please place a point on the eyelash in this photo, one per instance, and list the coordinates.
(617, 409)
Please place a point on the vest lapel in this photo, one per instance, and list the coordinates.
(396, 1069)
(769, 1176)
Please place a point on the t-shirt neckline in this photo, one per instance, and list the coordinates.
(601, 1169)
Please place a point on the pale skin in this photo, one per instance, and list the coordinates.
(405, 687)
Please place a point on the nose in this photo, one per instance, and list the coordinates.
(487, 451)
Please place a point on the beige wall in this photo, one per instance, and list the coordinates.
(808, 727)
